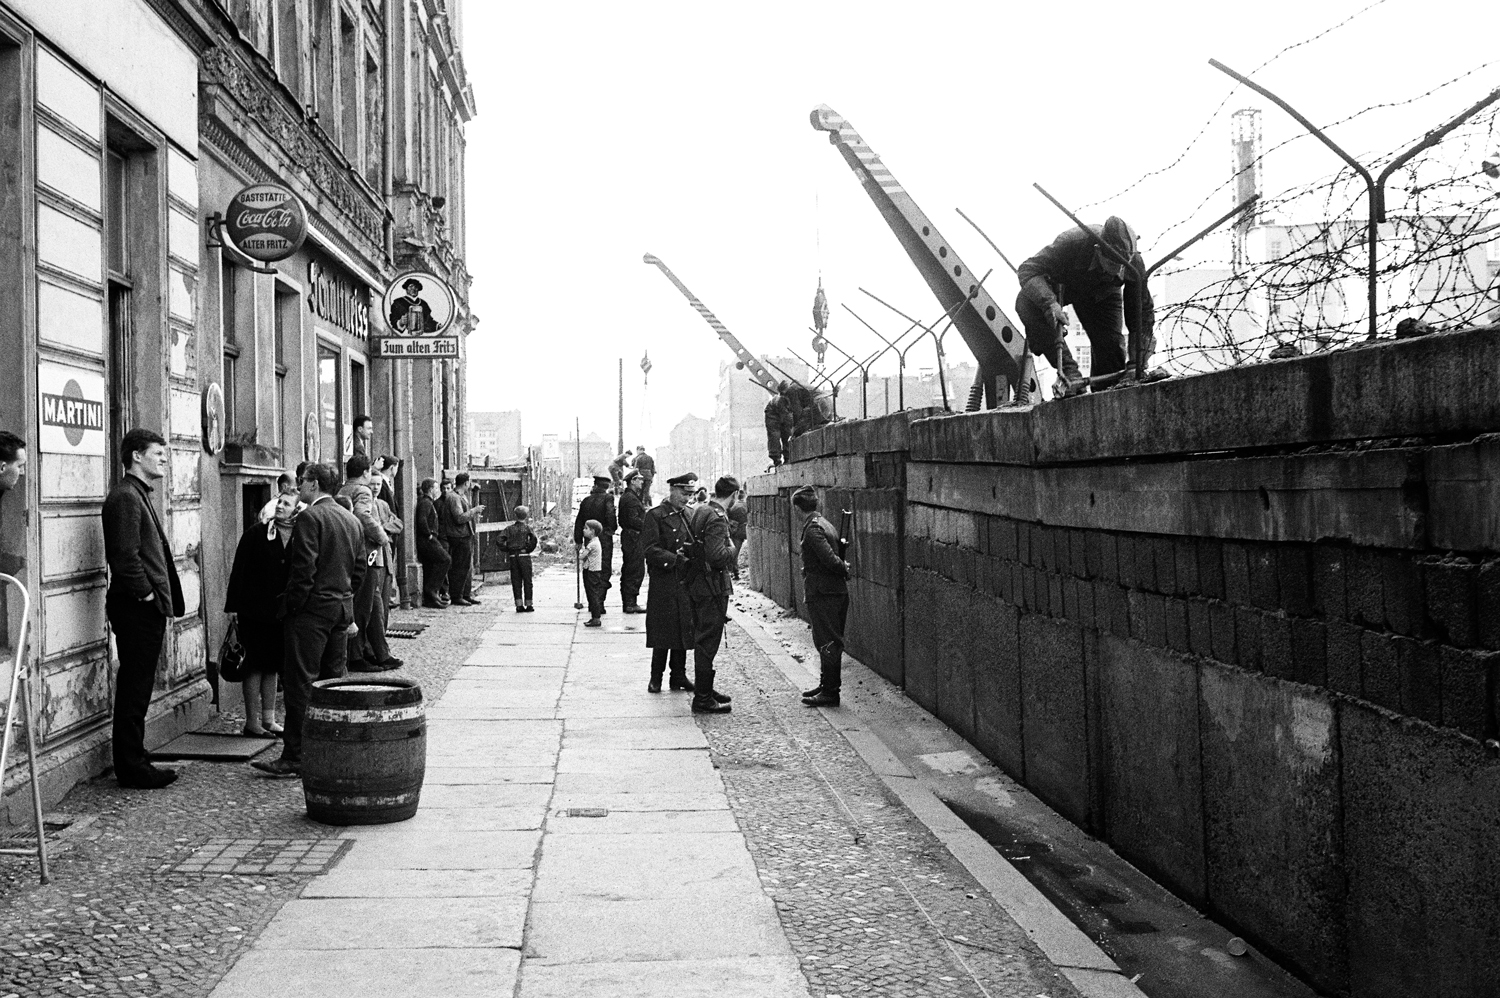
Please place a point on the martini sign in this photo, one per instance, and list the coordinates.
(72, 410)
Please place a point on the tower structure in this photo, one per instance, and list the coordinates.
(1245, 147)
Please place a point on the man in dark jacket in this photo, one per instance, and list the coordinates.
(432, 548)
(706, 579)
(325, 563)
(599, 505)
(632, 551)
(826, 592)
(144, 593)
(669, 614)
(1104, 293)
(779, 423)
(646, 465)
(806, 414)
(458, 528)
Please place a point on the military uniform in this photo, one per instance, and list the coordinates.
(826, 592)
(708, 590)
(778, 428)
(632, 550)
(669, 614)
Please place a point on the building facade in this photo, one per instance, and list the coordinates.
(495, 438)
(128, 127)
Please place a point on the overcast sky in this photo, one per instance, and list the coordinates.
(608, 130)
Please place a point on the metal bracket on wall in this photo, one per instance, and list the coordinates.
(216, 240)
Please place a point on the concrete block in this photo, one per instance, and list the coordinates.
(1247, 634)
(1294, 579)
(1420, 670)
(1381, 676)
(1487, 604)
(875, 629)
(1087, 612)
(1276, 655)
(1449, 597)
(1463, 507)
(1107, 567)
(1129, 573)
(1468, 677)
(1365, 587)
(1328, 589)
(1210, 575)
(1150, 769)
(1186, 555)
(1264, 587)
(1023, 542)
(1344, 658)
(1078, 559)
(1148, 618)
(1309, 652)
(1200, 631)
(994, 655)
(1221, 622)
(1422, 837)
(1055, 606)
(1053, 713)
(1044, 547)
(1164, 558)
(1236, 574)
(1003, 538)
(1271, 816)
(1177, 624)
(1404, 610)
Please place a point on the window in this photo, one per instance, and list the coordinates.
(330, 415)
(357, 401)
(229, 295)
(287, 328)
(288, 28)
(322, 66)
(374, 124)
(349, 91)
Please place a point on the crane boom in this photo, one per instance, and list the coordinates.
(747, 359)
(996, 341)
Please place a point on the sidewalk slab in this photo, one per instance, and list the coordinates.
(345, 883)
(383, 973)
(697, 978)
(589, 930)
(626, 866)
(411, 923)
(402, 847)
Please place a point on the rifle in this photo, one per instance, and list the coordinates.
(845, 523)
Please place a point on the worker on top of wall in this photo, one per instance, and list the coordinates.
(1106, 295)
(779, 423)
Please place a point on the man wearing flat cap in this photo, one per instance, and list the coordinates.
(705, 576)
(632, 551)
(826, 592)
(410, 314)
(599, 505)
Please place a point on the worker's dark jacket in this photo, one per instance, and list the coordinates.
(707, 570)
(632, 513)
(824, 573)
(806, 414)
(1067, 266)
(598, 505)
(669, 614)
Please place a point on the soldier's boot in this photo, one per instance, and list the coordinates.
(831, 658)
(655, 685)
(705, 701)
(679, 680)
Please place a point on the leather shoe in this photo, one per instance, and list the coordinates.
(148, 778)
(722, 697)
(654, 686)
(279, 768)
(821, 700)
(391, 663)
(709, 707)
(681, 683)
(812, 692)
(531, 609)
(433, 605)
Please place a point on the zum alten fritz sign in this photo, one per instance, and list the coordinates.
(419, 311)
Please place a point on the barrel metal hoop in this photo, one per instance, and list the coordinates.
(357, 800)
(361, 715)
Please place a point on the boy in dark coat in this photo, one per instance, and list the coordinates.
(518, 541)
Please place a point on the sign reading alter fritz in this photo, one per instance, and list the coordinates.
(419, 309)
(266, 222)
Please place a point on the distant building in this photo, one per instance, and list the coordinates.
(591, 458)
(495, 435)
(691, 449)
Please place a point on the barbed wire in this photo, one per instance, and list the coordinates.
(1305, 287)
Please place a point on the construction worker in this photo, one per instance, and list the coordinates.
(805, 411)
(779, 423)
(1105, 294)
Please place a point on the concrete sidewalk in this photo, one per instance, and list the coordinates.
(574, 838)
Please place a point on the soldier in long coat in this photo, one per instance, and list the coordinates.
(632, 550)
(669, 613)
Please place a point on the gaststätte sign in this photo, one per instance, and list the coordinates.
(418, 308)
(266, 222)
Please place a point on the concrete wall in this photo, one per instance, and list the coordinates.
(1243, 626)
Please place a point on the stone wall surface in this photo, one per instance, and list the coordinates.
(1243, 626)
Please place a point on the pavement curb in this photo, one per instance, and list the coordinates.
(1075, 955)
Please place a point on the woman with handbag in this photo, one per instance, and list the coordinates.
(257, 579)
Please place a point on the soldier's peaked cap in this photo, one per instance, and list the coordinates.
(689, 480)
(603, 479)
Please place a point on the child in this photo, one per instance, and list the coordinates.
(594, 582)
(518, 540)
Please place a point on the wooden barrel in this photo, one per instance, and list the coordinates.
(364, 751)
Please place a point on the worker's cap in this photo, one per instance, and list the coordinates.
(1120, 237)
(688, 481)
(410, 283)
(602, 480)
(631, 475)
(805, 498)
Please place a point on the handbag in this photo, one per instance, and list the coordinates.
(232, 655)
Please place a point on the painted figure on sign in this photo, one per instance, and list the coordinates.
(411, 314)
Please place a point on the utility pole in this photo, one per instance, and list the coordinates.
(620, 443)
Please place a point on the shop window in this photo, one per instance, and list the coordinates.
(349, 91)
(358, 403)
(330, 407)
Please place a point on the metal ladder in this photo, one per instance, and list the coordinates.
(21, 674)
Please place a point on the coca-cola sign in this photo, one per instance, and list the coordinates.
(266, 222)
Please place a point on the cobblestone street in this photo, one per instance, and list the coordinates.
(574, 837)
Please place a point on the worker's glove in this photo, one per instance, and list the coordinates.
(1059, 317)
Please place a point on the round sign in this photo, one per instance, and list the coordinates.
(213, 419)
(266, 222)
(418, 303)
(312, 441)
